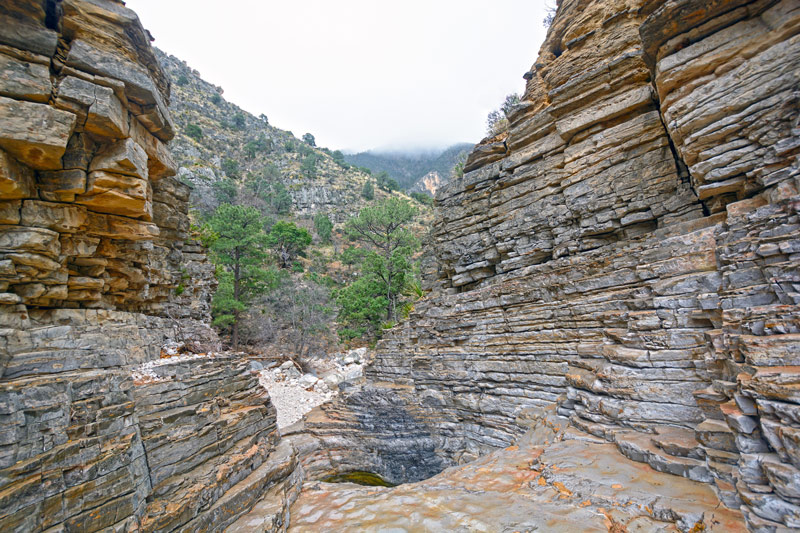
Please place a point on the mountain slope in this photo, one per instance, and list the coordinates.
(408, 168)
(220, 148)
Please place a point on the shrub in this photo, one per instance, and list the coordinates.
(239, 121)
(182, 80)
(230, 167)
(422, 198)
(216, 99)
(497, 120)
(193, 131)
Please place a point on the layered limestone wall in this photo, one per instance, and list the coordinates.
(97, 273)
(627, 252)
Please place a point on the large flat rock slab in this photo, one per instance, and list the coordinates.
(579, 484)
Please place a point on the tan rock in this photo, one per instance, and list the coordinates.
(9, 211)
(69, 182)
(101, 110)
(18, 238)
(80, 151)
(122, 157)
(24, 80)
(159, 160)
(145, 99)
(35, 134)
(63, 218)
(16, 181)
(119, 227)
(118, 194)
(27, 31)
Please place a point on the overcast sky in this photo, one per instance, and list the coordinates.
(358, 74)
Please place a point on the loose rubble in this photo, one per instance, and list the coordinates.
(294, 394)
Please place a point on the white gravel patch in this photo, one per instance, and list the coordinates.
(291, 400)
(295, 394)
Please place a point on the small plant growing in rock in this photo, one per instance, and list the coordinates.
(497, 120)
(550, 15)
(309, 139)
(182, 80)
(216, 99)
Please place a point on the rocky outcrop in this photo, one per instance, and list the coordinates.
(97, 273)
(626, 254)
(428, 184)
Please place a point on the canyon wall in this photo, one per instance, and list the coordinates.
(97, 273)
(627, 252)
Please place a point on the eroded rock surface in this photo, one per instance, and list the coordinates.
(625, 253)
(97, 273)
(554, 481)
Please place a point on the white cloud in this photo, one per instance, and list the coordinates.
(357, 74)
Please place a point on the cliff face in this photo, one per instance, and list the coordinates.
(98, 432)
(627, 255)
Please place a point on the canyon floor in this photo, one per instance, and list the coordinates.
(555, 479)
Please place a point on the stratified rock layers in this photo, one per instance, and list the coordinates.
(629, 253)
(95, 277)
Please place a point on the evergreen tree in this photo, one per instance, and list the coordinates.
(368, 191)
(280, 199)
(384, 229)
(237, 248)
(324, 227)
(287, 241)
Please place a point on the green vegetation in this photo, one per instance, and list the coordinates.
(407, 168)
(386, 268)
(497, 120)
(309, 139)
(385, 182)
(338, 158)
(182, 80)
(193, 131)
(236, 244)
(422, 198)
(225, 191)
(309, 166)
(280, 199)
(216, 98)
(288, 146)
(324, 227)
(230, 167)
(251, 148)
(239, 121)
(368, 190)
(287, 241)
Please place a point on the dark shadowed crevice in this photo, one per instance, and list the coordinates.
(53, 13)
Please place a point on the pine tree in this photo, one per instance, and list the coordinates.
(237, 248)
